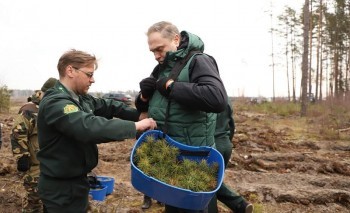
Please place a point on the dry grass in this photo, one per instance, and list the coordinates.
(325, 120)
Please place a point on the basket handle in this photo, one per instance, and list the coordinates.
(194, 153)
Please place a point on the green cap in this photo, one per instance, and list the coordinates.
(48, 84)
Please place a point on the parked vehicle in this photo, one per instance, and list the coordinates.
(119, 97)
(259, 100)
(311, 97)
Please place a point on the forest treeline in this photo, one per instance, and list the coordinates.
(318, 38)
(6, 95)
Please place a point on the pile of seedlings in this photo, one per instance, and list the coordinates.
(158, 159)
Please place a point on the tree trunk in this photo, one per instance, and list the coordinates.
(310, 46)
(319, 27)
(347, 72)
(321, 72)
(273, 62)
(287, 64)
(293, 66)
(305, 58)
(336, 74)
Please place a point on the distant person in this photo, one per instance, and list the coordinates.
(24, 143)
(224, 132)
(184, 92)
(71, 123)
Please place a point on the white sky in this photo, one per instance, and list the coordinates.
(34, 34)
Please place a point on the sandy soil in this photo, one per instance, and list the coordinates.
(271, 166)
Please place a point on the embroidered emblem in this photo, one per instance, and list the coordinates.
(70, 108)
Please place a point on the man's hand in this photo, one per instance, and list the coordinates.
(145, 124)
(141, 105)
(148, 86)
(143, 115)
(164, 86)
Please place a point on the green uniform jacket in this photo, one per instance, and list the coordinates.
(225, 126)
(69, 129)
(24, 136)
(197, 95)
(224, 131)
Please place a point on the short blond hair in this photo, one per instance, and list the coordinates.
(77, 59)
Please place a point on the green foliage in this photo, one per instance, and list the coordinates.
(258, 206)
(4, 99)
(158, 159)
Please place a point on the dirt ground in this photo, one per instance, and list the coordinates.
(275, 165)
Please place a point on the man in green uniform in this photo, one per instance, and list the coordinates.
(224, 132)
(71, 123)
(24, 142)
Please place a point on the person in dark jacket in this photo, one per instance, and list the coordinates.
(70, 125)
(224, 132)
(184, 103)
(25, 146)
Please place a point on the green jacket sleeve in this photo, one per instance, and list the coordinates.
(110, 108)
(78, 121)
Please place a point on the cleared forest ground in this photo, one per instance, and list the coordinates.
(280, 163)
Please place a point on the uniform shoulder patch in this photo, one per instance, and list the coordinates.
(70, 108)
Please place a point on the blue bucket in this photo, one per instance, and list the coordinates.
(98, 192)
(107, 181)
(172, 195)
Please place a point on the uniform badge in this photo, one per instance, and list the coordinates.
(70, 108)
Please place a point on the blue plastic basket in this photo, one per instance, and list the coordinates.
(107, 181)
(98, 193)
(172, 195)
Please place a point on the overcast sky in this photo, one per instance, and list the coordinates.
(34, 34)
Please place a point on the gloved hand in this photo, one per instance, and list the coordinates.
(23, 163)
(93, 181)
(161, 86)
(148, 86)
(140, 105)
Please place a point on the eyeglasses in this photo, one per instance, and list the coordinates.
(88, 74)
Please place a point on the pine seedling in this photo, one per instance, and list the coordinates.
(145, 165)
(160, 153)
(214, 169)
(144, 150)
(162, 163)
(173, 181)
(188, 182)
(150, 138)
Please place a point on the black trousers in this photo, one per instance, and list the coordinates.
(64, 195)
